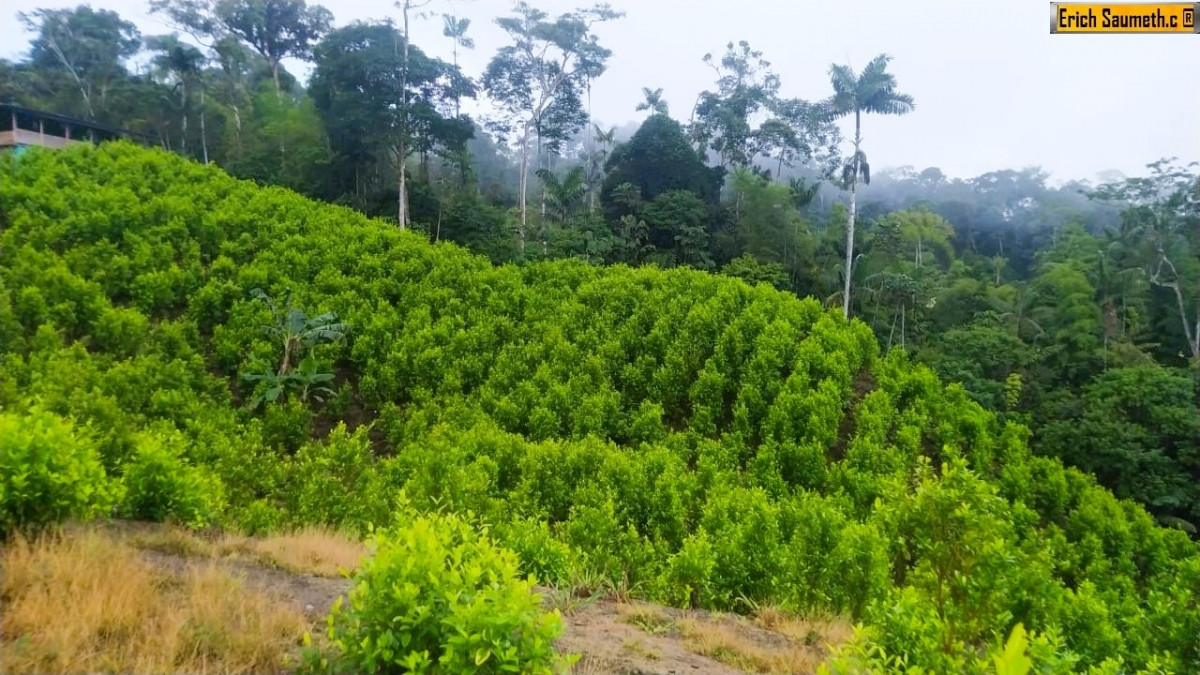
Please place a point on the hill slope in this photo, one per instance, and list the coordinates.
(685, 436)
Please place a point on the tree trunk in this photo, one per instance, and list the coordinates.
(402, 198)
(83, 90)
(543, 164)
(285, 365)
(850, 222)
(591, 127)
(524, 184)
(457, 98)
(278, 95)
(183, 114)
(1191, 335)
(237, 127)
(203, 131)
(401, 201)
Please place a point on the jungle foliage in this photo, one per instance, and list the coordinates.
(689, 437)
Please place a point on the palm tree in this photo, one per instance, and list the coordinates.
(456, 29)
(1012, 306)
(563, 196)
(871, 91)
(184, 64)
(654, 101)
(595, 165)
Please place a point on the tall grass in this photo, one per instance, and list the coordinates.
(84, 603)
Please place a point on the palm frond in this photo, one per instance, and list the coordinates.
(842, 78)
(871, 91)
(549, 180)
(877, 68)
(889, 103)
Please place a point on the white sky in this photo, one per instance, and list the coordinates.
(994, 89)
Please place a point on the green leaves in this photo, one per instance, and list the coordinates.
(160, 485)
(682, 436)
(872, 91)
(49, 472)
(298, 333)
(439, 597)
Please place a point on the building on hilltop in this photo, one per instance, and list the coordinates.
(24, 127)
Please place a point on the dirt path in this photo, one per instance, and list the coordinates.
(311, 595)
(608, 643)
(611, 637)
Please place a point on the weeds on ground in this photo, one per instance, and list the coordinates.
(84, 602)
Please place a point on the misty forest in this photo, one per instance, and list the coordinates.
(712, 365)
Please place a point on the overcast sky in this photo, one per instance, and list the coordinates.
(994, 89)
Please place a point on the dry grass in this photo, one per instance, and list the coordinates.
(647, 619)
(84, 602)
(171, 540)
(640, 648)
(590, 665)
(314, 550)
(805, 650)
(317, 551)
(811, 632)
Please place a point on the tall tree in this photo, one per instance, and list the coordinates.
(657, 159)
(596, 159)
(358, 78)
(1163, 217)
(456, 29)
(798, 132)
(235, 62)
(89, 46)
(405, 6)
(653, 101)
(276, 29)
(183, 65)
(873, 91)
(538, 80)
(565, 195)
(723, 119)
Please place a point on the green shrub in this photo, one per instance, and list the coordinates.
(258, 517)
(329, 482)
(121, 332)
(161, 485)
(686, 436)
(49, 472)
(540, 553)
(286, 425)
(686, 579)
(439, 597)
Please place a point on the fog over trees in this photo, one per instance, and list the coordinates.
(1067, 309)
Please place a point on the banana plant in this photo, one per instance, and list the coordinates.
(307, 380)
(296, 330)
(296, 333)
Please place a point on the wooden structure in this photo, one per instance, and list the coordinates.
(23, 127)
